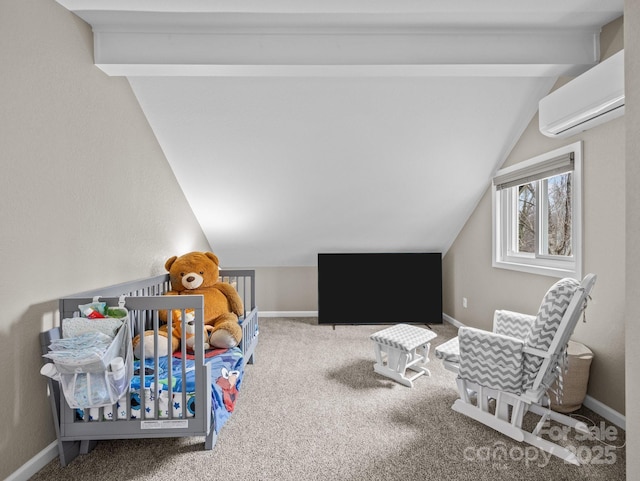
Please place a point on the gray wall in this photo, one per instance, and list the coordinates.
(467, 270)
(632, 314)
(87, 199)
(281, 289)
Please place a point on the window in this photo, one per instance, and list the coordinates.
(537, 214)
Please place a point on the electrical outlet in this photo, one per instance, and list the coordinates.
(464, 302)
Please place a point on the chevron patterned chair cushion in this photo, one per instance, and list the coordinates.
(490, 359)
(403, 336)
(513, 324)
(449, 351)
(507, 323)
(552, 309)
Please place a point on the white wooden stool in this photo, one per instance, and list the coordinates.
(402, 347)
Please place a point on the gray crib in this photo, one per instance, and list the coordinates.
(144, 299)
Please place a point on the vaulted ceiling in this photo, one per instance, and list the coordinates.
(303, 126)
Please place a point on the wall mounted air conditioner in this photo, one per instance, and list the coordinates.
(590, 99)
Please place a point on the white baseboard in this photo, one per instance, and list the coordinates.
(605, 411)
(35, 464)
(451, 320)
(288, 313)
(596, 406)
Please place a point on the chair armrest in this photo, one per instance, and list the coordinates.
(513, 324)
(491, 360)
(537, 352)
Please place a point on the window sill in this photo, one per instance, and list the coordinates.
(559, 272)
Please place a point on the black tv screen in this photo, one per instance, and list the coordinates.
(390, 288)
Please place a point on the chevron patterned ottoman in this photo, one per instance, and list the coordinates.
(402, 347)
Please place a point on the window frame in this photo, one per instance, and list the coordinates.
(505, 220)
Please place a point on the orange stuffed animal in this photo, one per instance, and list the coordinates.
(198, 273)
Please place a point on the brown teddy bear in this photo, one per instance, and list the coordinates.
(197, 273)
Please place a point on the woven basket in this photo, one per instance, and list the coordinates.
(575, 380)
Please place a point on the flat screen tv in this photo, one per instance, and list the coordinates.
(385, 288)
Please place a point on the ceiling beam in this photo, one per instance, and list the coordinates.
(156, 43)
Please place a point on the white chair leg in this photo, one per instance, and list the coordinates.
(378, 352)
(502, 407)
(517, 414)
(462, 390)
(483, 400)
(401, 363)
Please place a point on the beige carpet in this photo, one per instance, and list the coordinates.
(312, 408)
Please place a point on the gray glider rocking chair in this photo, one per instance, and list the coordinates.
(517, 363)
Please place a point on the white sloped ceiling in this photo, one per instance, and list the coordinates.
(302, 127)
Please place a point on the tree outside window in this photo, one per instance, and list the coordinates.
(554, 207)
(559, 215)
(527, 217)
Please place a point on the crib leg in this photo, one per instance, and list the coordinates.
(86, 446)
(69, 450)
